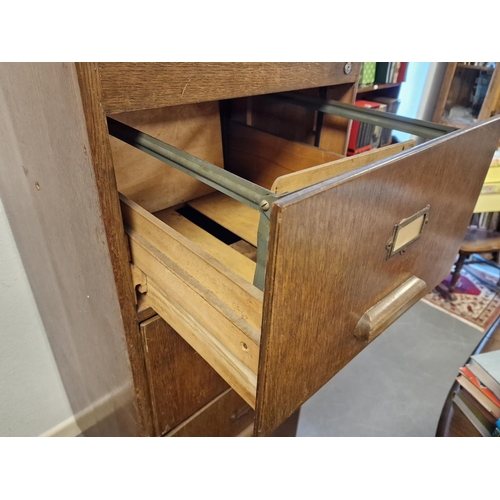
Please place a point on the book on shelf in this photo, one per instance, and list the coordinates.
(367, 74)
(377, 130)
(361, 135)
(384, 72)
(480, 392)
(476, 415)
(486, 367)
(403, 68)
(478, 395)
(392, 104)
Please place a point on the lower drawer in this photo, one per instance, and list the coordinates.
(226, 416)
(181, 382)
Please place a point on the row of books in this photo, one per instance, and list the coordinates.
(365, 136)
(479, 394)
(383, 72)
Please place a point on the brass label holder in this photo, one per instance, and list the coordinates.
(407, 232)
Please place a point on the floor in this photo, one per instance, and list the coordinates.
(397, 386)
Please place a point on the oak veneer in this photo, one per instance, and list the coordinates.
(170, 84)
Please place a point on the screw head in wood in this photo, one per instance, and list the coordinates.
(347, 68)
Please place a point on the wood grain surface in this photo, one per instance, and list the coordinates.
(443, 93)
(102, 161)
(236, 260)
(181, 381)
(235, 216)
(226, 416)
(57, 186)
(327, 258)
(298, 180)
(194, 128)
(135, 86)
(261, 157)
(334, 133)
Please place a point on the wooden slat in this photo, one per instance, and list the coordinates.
(231, 214)
(135, 86)
(202, 339)
(443, 93)
(194, 128)
(242, 300)
(181, 381)
(261, 157)
(299, 180)
(233, 259)
(226, 416)
(327, 258)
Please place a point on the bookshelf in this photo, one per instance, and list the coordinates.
(378, 88)
(470, 92)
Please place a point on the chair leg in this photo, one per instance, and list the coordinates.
(456, 272)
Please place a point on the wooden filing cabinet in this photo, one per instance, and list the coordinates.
(208, 303)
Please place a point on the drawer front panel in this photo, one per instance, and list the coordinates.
(226, 416)
(328, 260)
(181, 382)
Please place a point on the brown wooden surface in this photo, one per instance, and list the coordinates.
(233, 258)
(136, 86)
(321, 268)
(480, 240)
(491, 104)
(181, 381)
(235, 216)
(443, 93)
(102, 160)
(57, 186)
(298, 180)
(334, 134)
(226, 416)
(453, 423)
(261, 157)
(194, 128)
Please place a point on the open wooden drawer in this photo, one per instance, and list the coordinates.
(323, 257)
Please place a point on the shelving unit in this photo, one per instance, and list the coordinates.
(383, 94)
(469, 93)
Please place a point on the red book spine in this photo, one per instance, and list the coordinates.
(402, 72)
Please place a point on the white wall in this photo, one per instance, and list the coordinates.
(32, 397)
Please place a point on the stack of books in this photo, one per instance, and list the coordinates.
(479, 394)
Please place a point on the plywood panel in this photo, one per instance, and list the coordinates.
(327, 259)
(194, 128)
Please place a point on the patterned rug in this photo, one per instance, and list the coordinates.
(474, 304)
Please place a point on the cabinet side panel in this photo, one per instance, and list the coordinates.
(48, 187)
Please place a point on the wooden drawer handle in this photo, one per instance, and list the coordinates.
(389, 309)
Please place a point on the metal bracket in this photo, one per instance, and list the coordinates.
(406, 232)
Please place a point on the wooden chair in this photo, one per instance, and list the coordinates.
(476, 241)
